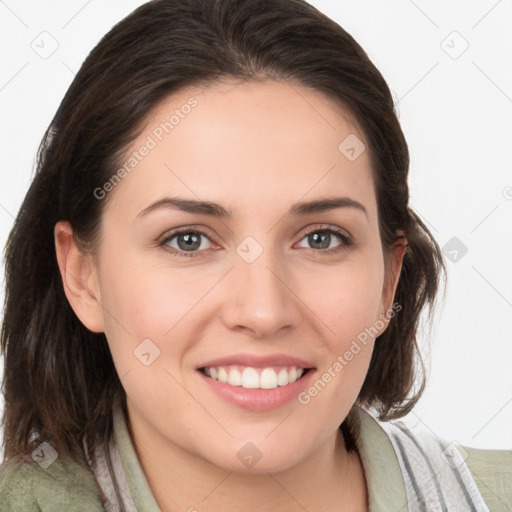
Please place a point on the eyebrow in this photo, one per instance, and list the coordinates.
(216, 210)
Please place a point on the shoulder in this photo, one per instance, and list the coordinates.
(444, 473)
(492, 472)
(27, 486)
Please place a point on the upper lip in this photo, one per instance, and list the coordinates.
(257, 361)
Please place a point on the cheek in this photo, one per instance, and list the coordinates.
(147, 298)
(346, 298)
(147, 311)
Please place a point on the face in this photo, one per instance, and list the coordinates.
(259, 290)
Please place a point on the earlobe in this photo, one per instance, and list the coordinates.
(79, 278)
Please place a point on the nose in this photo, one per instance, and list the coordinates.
(261, 297)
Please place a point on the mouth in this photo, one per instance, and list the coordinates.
(248, 377)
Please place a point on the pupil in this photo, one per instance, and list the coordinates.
(192, 241)
(323, 237)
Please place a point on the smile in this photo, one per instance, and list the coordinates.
(254, 378)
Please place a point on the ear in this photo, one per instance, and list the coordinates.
(79, 278)
(393, 268)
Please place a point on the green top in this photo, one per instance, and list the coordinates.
(25, 486)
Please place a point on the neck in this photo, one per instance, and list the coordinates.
(329, 478)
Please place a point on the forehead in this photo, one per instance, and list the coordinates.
(245, 145)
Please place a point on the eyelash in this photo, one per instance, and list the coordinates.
(345, 239)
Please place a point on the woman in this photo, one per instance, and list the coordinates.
(215, 280)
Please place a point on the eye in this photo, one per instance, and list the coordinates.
(186, 242)
(322, 239)
(192, 242)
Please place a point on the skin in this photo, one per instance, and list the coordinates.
(256, 149)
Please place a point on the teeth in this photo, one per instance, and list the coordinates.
(223, 375)
(250, 378)
(235, 378)
(282, 377)
(268, 379)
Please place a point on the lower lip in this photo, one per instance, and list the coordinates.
(259, 399)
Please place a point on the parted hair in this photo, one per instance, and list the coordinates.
(59, 377)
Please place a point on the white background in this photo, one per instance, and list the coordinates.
(455, 107)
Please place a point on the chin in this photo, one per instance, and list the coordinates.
(256, 458)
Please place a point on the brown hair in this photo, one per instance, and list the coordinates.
(59, 377)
